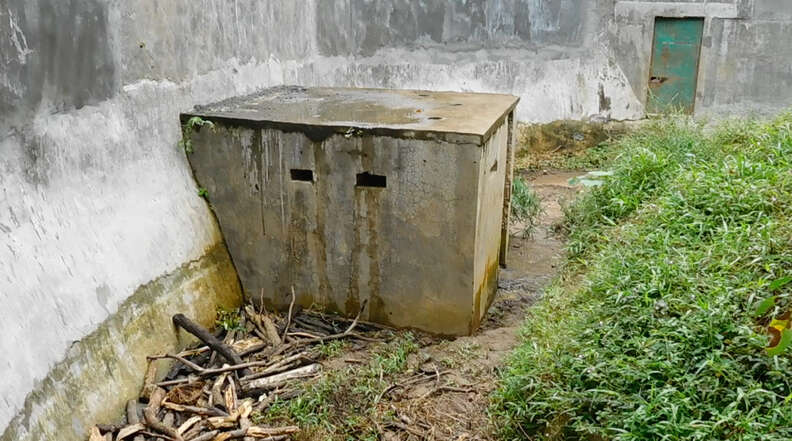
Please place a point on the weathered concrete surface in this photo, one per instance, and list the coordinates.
(744, 67)
(423, 252)
(95, 200)
(102, 370)
(321, 111)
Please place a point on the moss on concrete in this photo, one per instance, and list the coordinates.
(105, 369)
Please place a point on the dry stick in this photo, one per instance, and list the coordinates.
(201, 371)
(148, 380)
(275, 395)
(261, 432)
(204, 411)
(217, 390)
(261, 302)
(96, 434)
(150, 415)
(407, 429)
(347, 320)
(205, 336)
(129, 430)
(195, 431)
(446, 387)
(158, 436)
(110, 427)
(289, 316)
(208, 436)
(132, 417)
(281, 379)
(302, 334)
(272, 331)
(274, 367)
(254, 348)
(185, 426)
(346, 333)
(189, 379)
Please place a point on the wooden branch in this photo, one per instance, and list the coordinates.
(272, 331)
(276, 380)
(289, 316)
(196, 430)
(275, 367)
(150, 415)
(344, 334)
(132, 417)
(264, 432)
(148, 380)
(204, 411)
(95, 434)
(208, 436)
(210, 340)
(130, 430)
(254, 348)
(203, 372)
(217, 390)
(188, 424)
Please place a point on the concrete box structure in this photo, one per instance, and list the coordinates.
(397, 198)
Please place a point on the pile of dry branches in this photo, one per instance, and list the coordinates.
(211, 391)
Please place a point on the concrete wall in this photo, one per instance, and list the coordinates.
(340, 245)
(97, 203)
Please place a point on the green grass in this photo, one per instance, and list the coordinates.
(651, 331)
(342, 404)
(526, 206)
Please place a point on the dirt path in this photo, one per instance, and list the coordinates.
(453, 406)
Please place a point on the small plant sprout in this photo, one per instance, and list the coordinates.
(228, 319)
(202, 192)
(193, 125)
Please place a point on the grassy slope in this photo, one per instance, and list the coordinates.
(651, 334)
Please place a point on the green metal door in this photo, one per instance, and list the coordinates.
(675, 60)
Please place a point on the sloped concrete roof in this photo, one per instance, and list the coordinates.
(320, 112)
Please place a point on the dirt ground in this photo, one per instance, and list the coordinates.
(443, 393)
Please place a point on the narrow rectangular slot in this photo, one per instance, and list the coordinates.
(367, 179)
(301, 175)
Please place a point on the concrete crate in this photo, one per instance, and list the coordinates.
(394, 197)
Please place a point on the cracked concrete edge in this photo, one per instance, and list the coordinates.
(105, 369)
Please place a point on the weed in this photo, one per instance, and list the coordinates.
(526, 206)
(393, 358)
(666, 335)
(332, 348)
(204, 193)
(228, 319)
(192, 125)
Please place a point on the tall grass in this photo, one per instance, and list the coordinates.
(526, 205)
(651, 332)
